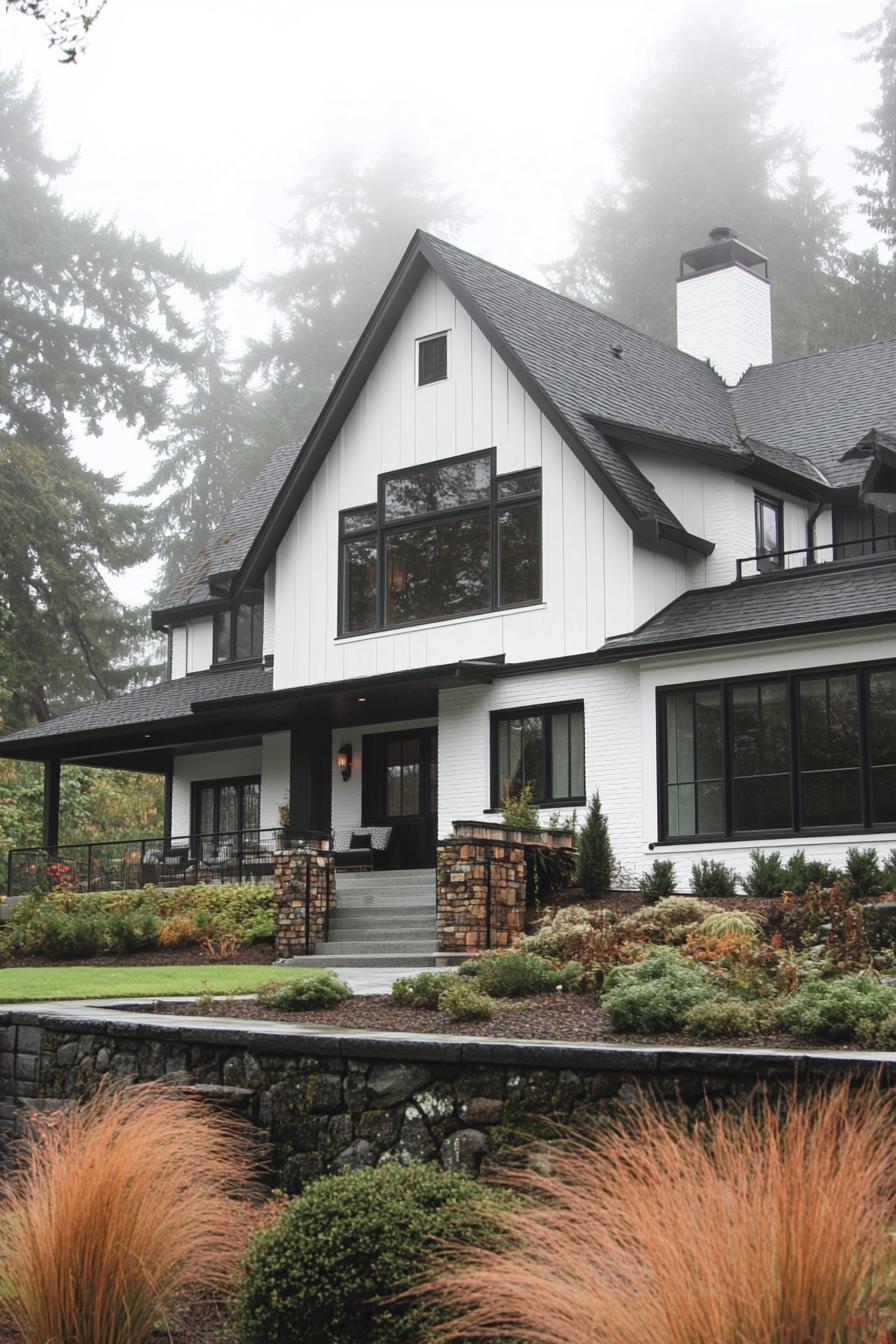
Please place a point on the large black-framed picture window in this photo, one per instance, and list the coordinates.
(799, 752)
(542, 747)
(443, 540)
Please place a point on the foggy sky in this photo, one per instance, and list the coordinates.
(192, 118)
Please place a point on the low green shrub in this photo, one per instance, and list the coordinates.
(658, 882)
(669, 921)
(560, 933)
(725, 1017)
(655, 993)
(767, 877)
(725, 922)
(888, 872)
(801, 873)
(419, 991)
(838, 1010)
(514, 975)
(864, 872)
(713, 881)
(309, 989)
(878, 1035)
(518, 810)
(462, 1000)
(330, 1268)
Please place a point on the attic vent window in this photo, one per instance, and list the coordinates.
(432, 359)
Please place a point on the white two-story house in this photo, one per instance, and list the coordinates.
(525, 544)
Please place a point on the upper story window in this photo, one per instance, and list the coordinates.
(432, 359)
(769, 515)
(800, 752)
(862, 529)
(542, 748)
(239, 633)
(444, 540)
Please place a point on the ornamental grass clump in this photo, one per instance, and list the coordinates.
(756, 1225)
(121, 1210)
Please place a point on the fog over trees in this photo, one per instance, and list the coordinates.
(95, 321)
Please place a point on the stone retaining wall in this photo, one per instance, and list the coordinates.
(302, 877)
(330, 1100)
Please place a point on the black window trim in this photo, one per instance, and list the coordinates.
(418, 354)
(218, 784)
(791, 677)
(490, 506)
(546, 710)
(774, 559)
(248, 600)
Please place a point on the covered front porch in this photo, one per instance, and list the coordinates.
(248, 770)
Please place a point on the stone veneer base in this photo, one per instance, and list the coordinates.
(328, 1098)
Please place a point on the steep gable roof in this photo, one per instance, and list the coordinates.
(821, 405)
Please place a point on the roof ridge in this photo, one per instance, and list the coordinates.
(819, 354)
(576, 303)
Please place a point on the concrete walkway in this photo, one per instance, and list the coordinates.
(377, 979)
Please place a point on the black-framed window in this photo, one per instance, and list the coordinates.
(432, 359)
(223, 807)
(769, 517)
(862, 529)
(239, 632)
(543, 747)
(445, 539)
(806, 751)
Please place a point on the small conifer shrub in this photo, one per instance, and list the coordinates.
(594, 860)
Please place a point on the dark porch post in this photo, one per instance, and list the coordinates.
(169, 789)
(310, 778)
(52, 779)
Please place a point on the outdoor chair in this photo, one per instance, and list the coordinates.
(362, 848)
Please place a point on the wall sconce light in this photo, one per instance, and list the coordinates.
(344, 760)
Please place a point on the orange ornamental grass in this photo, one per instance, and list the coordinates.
(768, 1226)
(120, 1208)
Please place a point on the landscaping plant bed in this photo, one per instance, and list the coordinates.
(551, 1017)
(254, 954)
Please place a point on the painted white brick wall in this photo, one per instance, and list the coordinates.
(725, 316)
(207, 765)
(612, 759)
(346, 796)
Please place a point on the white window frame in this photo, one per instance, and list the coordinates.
(421, 340)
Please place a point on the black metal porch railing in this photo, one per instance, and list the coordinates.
(125, 865)
(804, 557)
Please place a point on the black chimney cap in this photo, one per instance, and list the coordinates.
(725, 249)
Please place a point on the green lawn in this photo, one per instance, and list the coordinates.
(20, 984)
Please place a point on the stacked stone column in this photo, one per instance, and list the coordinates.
(481, 893)
(303, 879)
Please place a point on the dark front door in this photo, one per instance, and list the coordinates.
(400, 789)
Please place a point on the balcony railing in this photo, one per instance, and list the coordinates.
(804, 557)
(125, 865)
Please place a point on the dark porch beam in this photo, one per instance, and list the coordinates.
(310, 778)
(52, 783)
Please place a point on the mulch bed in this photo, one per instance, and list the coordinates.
(543, 1017)
(256, 954)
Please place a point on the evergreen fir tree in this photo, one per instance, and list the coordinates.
(351, 223)
(594, 853)
(697, 150)
(90, 326)
(206, 454)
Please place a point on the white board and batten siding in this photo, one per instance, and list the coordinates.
(395, 424)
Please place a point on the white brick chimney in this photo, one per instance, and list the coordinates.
(724, 305)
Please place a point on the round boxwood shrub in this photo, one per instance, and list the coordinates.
(327, 1269)
(514, 975)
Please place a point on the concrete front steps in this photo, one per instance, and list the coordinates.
(381, 919)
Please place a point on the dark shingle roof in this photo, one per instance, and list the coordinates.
(768, 607)
(569, 349)
(164, 701)
(821, 405)
(229, 546)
